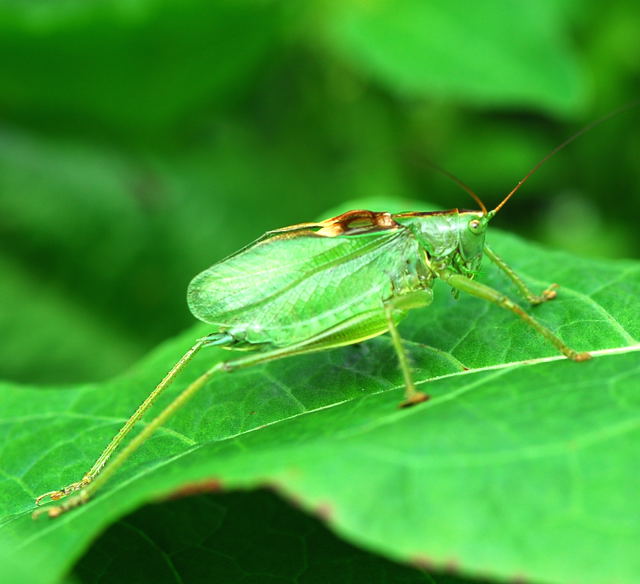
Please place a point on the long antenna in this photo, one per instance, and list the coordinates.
(456, 180)
(557, 149)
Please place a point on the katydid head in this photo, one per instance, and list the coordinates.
(471, 236)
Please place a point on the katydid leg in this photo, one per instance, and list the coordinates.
(359, 327)
(459, 282)
(102, 460)
(531, 297)
(411, 395)
(89, 488)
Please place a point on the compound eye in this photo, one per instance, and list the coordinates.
(475, 225)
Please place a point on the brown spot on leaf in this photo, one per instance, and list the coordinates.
(451, 565)
(325, 511)
(195, 488)
(423, 562)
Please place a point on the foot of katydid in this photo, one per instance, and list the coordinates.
(548, 294)
(61, 493)
(71, 503)
(575, 356)
(417, 397)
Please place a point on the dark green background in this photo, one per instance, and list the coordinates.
(142, 141)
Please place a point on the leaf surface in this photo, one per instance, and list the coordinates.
(522, 464)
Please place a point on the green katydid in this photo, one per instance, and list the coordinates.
(317, 286)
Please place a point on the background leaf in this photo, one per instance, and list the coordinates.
(157, 61)
(219, 537)
(518, 454)
(497, 51)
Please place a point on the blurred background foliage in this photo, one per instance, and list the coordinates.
(142, 140)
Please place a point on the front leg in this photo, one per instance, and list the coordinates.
(459, 282)
(548, 294)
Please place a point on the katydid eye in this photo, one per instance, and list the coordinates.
(474, 226)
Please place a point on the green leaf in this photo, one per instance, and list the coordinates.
(65, 329)
(522, 464)
(497, 52)
(132, 65)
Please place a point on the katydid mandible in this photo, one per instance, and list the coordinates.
(270, 298)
